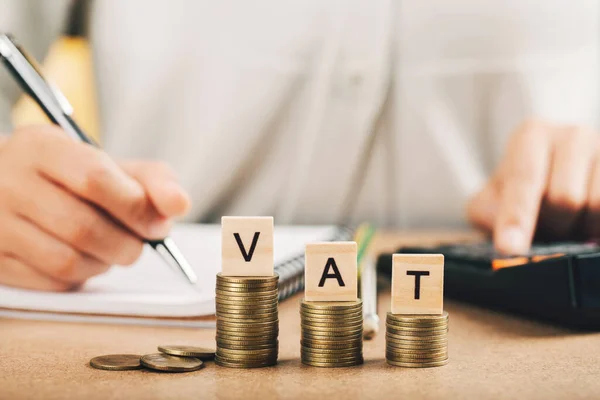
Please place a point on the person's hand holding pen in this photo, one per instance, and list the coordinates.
(547, 186)
(60, 201)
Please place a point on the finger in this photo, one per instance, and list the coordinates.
(46, 254)
(14, 272)
(76, 222)
(483, 207)
(567, 191)
(162, 186)
(524, 175)
(92, 175)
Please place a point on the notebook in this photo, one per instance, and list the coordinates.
(150, 293)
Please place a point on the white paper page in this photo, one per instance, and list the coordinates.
(150, 288)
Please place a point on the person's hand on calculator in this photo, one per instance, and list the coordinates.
(60, 201)
(546, 186)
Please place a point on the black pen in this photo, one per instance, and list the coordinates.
(54, 104)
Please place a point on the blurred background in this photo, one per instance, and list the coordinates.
(389, 111)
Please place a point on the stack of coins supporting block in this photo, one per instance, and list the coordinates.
(331, 314)
(247, 295)
(417, 326)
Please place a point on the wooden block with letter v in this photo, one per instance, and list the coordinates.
(331, 271)
(247, 246)
(418, 284)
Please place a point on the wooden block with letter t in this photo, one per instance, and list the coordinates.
(331, 271)
(418, 284)
(247, 246)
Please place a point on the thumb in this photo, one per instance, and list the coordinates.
(160, 182)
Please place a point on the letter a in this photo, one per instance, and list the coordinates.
(336, 273)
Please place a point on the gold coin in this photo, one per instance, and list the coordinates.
(349, 320)
(250, 296)
(255, 362)
(330, 357)
(341, 353)
(237, 341)
(330, 345)
(249, 311)
(246, 347)
(247, 319)
(251, 336)
(416, 343)
(248, 304)
(417, 317)
(417, 336)
(238, 364)
(260, 309)
(331, 327)
(263, 339)
(313, 363)
(399, 347)
(415, 328)
(402, 325)
(333, 338)
(254, 329)
(232, 335)
(248, 334)
(230, 292)
(332, 305)
(236, 298)
(416, 357)
(332, 332)
(202, 353)
(245, 290)
(245, 352)
(259, 325)
(427, 364)
(166, 362)
(116, 362)
(245, 279)
(255, 358)
(331, 313)
(410, 331)
(247, 283)
(330, 321)
(236, 305)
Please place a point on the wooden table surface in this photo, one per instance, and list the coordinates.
(492, 355)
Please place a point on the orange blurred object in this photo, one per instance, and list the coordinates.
(69, 66)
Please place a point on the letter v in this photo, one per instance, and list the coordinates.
(247, 256)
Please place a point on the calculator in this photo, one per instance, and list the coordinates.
(556, 282)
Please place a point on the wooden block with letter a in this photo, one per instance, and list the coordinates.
(331, 271)
(247, 246)
(418, 284)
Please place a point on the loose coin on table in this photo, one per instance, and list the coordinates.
(167, 363)
(116, 362)
(202, 353)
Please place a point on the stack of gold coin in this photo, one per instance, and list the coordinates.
(331, 333)
(247, 321)
(417, 341)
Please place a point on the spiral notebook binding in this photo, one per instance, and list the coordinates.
(291, 271)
